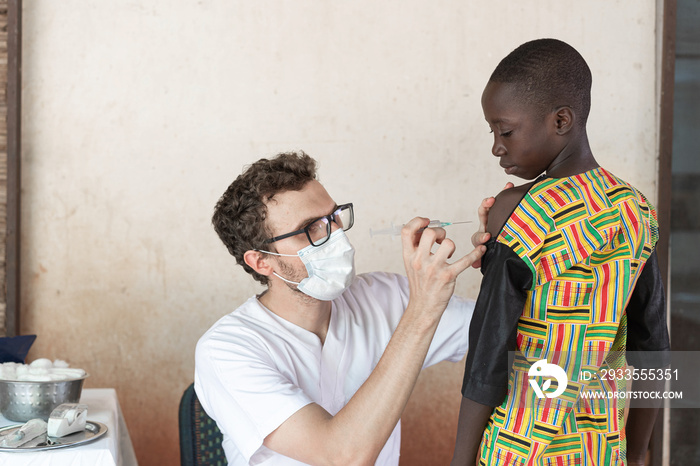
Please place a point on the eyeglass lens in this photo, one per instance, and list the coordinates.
(320, 230)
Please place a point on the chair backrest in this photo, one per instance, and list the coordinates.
(200, 438)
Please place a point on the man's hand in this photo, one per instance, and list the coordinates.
(481, 236)
(431, 278)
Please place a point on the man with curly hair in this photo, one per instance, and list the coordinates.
(318, 368)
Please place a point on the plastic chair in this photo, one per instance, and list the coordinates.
(200, 438)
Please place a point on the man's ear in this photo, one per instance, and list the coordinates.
(565, 119)
(257, 261)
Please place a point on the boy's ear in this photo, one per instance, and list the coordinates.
(257, 261)
(565, 119)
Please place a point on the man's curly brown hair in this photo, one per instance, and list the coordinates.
(239, 215)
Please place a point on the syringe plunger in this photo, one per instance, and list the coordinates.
(395, 230)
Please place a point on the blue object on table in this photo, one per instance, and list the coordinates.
(15, 349)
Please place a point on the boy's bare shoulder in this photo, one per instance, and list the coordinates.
(506, 202)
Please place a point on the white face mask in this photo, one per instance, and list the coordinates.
(331, 267)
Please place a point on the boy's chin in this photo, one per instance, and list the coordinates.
(526, 177)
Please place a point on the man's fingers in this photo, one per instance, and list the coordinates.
(462, 264)
(430, 236)
(479, 238)
(486, 205)
(410, 235)
(445, 251)
(483, 212)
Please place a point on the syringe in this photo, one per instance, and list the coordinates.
(395, 230)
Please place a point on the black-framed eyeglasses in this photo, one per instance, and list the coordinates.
(318, 231)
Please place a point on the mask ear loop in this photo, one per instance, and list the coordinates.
(275, 273)
(276, 253)
(284, 279)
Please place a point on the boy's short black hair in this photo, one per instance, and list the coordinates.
(549, 74)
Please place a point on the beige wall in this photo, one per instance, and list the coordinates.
(137, 115)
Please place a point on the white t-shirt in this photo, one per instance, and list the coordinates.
(253, 369)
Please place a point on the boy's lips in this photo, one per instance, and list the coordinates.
(509, 169)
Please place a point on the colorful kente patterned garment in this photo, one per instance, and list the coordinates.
(557, 283)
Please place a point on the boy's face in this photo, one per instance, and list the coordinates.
(525, 141)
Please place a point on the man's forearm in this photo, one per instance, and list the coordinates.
(473, 418)
(359, 431)
(373, 412)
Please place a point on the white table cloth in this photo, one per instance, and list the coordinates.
(112, 449)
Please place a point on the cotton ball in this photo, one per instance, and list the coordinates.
(70, 373)
(22, 370)
(34, 378)
(60, 364)
(41, 363)
(38, 371)
(8, 370)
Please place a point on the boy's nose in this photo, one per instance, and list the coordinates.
(498, 149)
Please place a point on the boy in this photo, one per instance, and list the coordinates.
(569, 270)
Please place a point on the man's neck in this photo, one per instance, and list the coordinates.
(301, 310)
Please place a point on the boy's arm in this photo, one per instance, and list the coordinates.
(640, 422)
(492, 332)
(506, 202)
(648, 346)
(473, 418)
(481, 236)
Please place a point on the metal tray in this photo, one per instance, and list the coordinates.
(93, 431)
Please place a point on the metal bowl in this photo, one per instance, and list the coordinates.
(21, 401)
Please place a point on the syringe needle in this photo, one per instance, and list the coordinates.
(438, 223)
(458, 223)
(395, 230)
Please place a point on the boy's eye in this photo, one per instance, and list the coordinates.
(506, 134)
